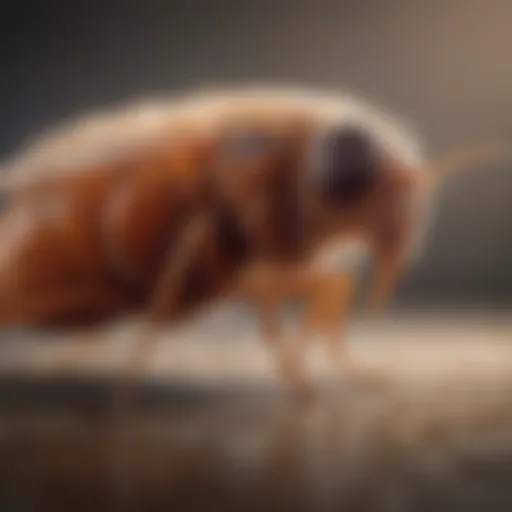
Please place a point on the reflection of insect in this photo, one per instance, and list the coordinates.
(214, 193)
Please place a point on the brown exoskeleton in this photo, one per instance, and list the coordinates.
(238, 193)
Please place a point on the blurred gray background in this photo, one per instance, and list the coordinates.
(443, 64)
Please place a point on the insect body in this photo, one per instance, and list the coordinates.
(219, 190)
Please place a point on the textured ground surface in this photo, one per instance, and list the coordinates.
(214, 431)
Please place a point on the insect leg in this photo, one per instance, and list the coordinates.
(162, 302)
(391, 267)
(328, 314)
(330, 307)
(267, 291)
(293, 355)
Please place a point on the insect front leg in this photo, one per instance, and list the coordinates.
(328, 313)
(267, 288)
(391, 267)
(329, 308)
(292, 357)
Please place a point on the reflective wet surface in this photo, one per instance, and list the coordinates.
(435, 433)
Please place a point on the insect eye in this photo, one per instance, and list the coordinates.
(346, 164)
(249, 144)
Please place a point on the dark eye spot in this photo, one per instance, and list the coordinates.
(347, 163)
